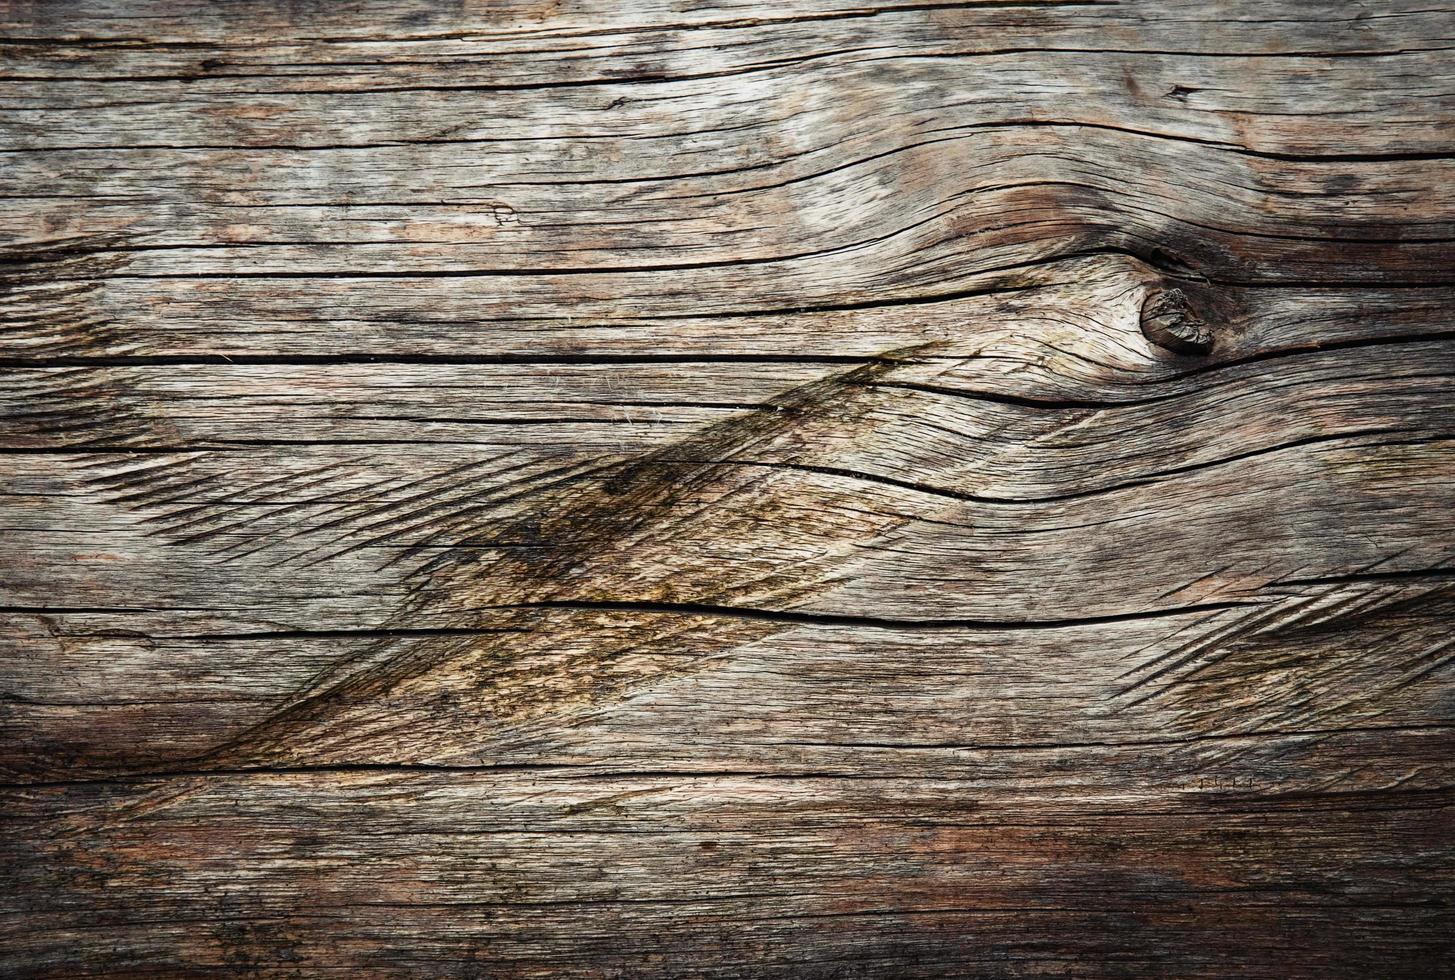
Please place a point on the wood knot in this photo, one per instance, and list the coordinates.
(1169, 321)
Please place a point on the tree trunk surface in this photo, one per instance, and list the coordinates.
(735, 489)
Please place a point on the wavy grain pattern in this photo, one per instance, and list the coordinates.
(668, 489)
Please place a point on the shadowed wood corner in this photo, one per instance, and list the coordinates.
(666, 489)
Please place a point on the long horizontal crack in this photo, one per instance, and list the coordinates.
(1400, 156)
(1141, 480)
(599, 770)
(362, 632)
(802, 618)
(611, 358)
(511, 358)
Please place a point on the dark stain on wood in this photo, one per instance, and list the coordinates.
(616, 535)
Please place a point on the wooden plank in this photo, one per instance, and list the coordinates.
(733, 489)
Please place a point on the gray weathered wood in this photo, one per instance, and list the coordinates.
(734, 489)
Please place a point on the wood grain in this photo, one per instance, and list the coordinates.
(727, 489)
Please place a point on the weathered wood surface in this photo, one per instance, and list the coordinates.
(666, 489)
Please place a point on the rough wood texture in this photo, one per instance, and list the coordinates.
(736, 489)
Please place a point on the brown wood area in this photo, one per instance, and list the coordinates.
(665, 488)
